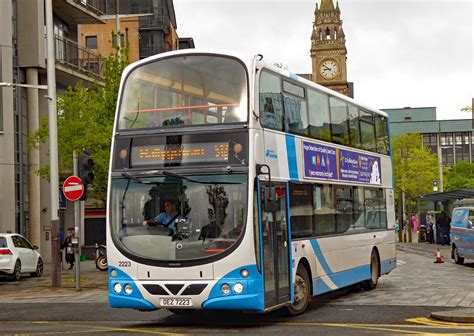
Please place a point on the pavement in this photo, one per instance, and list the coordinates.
(417, 281)
(93, 286)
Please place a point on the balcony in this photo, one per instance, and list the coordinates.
(75, 63)
(80, 11)
(160, 22)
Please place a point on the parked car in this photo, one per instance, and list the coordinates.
(18, 256)
(462, 234)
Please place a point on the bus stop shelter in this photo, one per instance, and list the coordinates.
(446, 198)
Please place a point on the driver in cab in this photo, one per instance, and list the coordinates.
(167, 218)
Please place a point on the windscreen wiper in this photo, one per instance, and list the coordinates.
(168, 173)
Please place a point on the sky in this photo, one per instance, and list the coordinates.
(416, 53)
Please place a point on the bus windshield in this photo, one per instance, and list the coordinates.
(174, 217)
(185, 90)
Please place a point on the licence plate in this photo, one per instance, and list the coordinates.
(173, 302)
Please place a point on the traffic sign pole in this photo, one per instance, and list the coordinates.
(77, 225)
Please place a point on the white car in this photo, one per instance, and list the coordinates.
(18, 256)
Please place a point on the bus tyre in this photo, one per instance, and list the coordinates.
(374, 272)
(101, 263)
(457, 259)
(301, 292)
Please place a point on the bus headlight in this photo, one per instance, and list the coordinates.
(113, 273)
(117, 288)
(225, 289)
(238, 288)
(128, 289)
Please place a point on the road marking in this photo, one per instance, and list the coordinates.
(105, 329)
(400, 262)
(430, 322)
(380, 327)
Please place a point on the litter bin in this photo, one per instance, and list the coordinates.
(422, 234)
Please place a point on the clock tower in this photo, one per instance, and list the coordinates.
(328, 48)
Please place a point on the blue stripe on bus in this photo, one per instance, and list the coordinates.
(293, 76)
(291, 154)
(346, 277)
(260, 238)
(252, 298)
(134, 300)
(386, 266)
(290, 250)
(320, 257)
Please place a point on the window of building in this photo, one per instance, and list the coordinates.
(91, 42)
(339, 121)
(319, 120)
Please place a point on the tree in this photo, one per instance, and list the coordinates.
(461, 176)
(85, 121)
(414, 166)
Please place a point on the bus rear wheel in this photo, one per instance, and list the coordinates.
(374, 272)
(301, 292)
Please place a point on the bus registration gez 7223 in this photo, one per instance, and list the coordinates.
(176, 302)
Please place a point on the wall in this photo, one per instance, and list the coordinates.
(7, 153)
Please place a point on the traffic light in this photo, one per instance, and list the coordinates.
(86, 172)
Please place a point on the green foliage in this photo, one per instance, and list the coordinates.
(461, 176)
(414, 166)
(85, 121)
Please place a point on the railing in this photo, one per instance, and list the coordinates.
(79, 58)
(96, 6)
(146, 51)
(160, 22)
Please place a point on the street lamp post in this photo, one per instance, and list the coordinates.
(53, 147)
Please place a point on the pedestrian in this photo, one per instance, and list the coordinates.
(444, 222)
(414, 223)
(397, 225)
(429, 228)
(67, 245)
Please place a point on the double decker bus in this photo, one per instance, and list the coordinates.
(235, 184)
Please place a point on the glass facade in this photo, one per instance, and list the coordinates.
(455, 146)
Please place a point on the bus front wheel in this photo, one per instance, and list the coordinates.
(302, 292)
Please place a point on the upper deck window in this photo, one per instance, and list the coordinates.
(185, 90)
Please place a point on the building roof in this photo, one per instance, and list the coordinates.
(414, 114)
(446, 196)
(431, 126)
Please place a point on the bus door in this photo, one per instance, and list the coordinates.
(275, 244)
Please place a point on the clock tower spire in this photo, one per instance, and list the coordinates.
(328, 48)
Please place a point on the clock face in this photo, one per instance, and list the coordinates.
(329, 69)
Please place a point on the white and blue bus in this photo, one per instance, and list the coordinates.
(235, 184)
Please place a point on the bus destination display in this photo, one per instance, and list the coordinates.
(203, 152)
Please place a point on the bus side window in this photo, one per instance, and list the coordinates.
(271, 112)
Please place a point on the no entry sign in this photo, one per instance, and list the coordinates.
(73, 188)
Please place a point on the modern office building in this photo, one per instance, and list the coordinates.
(24, 196)
(151, 31)
(455, 137)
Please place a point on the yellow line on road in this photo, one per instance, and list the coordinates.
(352, 326)
(107, 329)
(430, 322)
